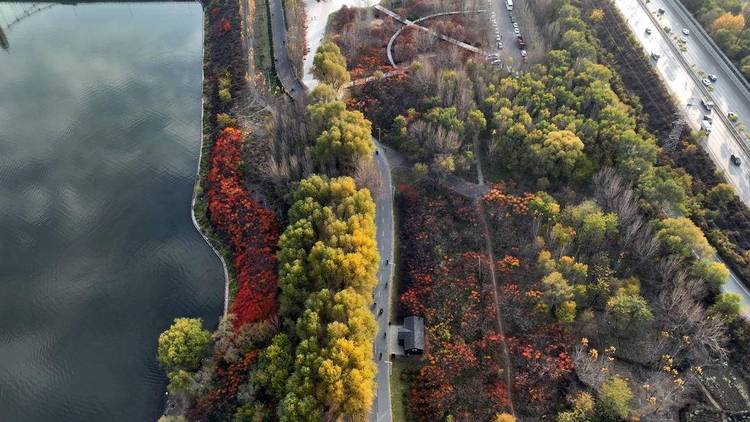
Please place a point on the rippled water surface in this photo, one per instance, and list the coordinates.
(99, 138)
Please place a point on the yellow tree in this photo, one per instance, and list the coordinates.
(732, 23)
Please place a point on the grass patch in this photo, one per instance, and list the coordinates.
(400, 387)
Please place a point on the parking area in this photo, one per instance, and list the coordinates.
(506, 34)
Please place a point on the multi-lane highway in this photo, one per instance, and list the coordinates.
(683, 71)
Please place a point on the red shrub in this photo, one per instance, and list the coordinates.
(251, 231)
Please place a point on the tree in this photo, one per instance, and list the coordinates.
(720, 195)
(714, 274)
(726, 307)
(183, 345)
(322, 93)
(346, 140)
(682, 237)
(504, 417)
(629, 311)
(582, 411)
(664, 188)
(559, 154)
(729, 22)
(613, 402)
(329, 65)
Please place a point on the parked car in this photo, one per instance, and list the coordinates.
(706, 126)
(708, 105)
(515, 25)
(524, 53)
(683, 40)
(735, 160)
(516, 31)
(655, 56)
(732, 116)
(706, 82)
(667, 29)
(500, 45)
(648, 31)
(712, 77)
(685, 31)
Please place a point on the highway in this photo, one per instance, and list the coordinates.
(681, 71)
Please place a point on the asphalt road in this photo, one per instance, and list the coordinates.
(282, 62)
(728, 92)
(502, 26)
(381, 408)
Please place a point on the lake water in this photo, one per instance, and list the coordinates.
(99, 135)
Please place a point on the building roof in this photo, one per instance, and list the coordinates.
(412, 333)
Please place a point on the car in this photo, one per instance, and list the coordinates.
(660, 11)
(708, 118)
(735, 160)
(655, 56)
(706, 82)
(732, 116)
(497, 39)
(524, 53)
(667, 29)
(516, 31)
(685, 31)
(706, 126)
(497, 62)
(708, 105)
(683, 40)
(515, 25)
(712, 77)
(500, 45)
(648, 31)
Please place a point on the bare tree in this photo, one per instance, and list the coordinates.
(366, 175)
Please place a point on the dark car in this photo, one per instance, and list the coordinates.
(736, 160)
(661, 11)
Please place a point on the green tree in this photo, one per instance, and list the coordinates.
(629, 311)
(613, 402)
(582, 411)
(715, 274)
(346, 139)
(664, 188)
(183, 345)
(682, 237)
(726, 307)
(559, 154)
(720, 195)
(329, 65)
(323, 93)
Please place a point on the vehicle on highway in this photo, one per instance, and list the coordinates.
(712, 77)
(524, 53)
(706, 82)
(736, 160)
(685, 31)
(660, 11)
(516, 31)
(500, 45)
(515, 24)
(708, 105)
(732, 116)
(706, 126)
(667, 29)
(521, 42)
(648, 31)
(655, 56)
(509, 4)
(683, 40)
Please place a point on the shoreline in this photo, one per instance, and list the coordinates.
(198, 180)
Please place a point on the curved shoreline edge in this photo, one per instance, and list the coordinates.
(198, 181)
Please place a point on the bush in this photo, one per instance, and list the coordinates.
(614, 400)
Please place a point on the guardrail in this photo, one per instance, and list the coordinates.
(722, 116)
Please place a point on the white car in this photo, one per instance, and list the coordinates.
(515, 24)
(683, 40)
(524, 53)
(713, 78)
(706, 126)
(648, 31)
(500, 45)
(685, 31)
(706, 82)
(516, 31)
